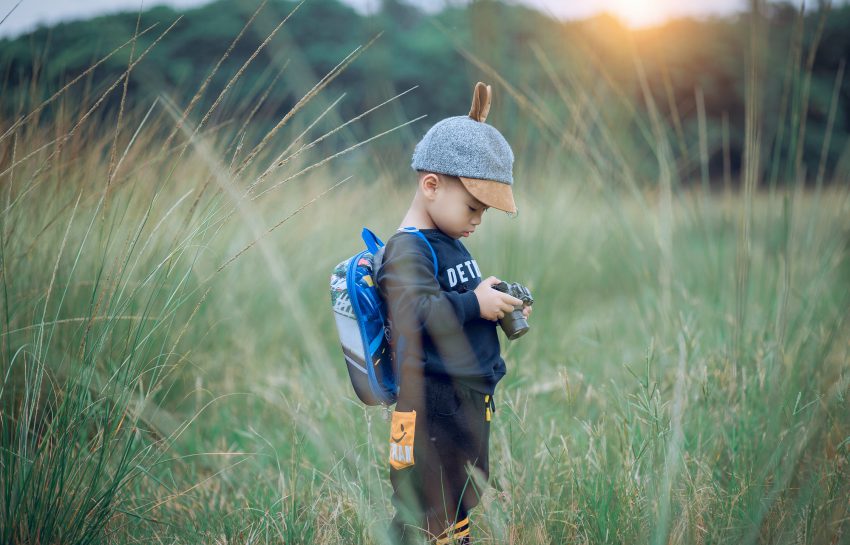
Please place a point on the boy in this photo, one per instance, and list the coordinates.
(443, 320)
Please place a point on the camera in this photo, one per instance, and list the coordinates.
(514, 323)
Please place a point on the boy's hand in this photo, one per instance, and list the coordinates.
(493, 303)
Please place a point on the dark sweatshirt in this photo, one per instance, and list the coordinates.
(437, 330)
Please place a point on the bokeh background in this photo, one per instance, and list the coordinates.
(177, 184)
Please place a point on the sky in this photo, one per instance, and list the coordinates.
(636, 13)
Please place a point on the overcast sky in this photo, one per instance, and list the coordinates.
(29, 13)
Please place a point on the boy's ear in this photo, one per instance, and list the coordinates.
(428, 184)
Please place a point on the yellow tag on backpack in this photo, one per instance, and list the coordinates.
(402, 430)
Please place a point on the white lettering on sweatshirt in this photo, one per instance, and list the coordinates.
(458, 273)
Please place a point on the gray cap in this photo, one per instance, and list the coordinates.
(461, 146)
(467, 147)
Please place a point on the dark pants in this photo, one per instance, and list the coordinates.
(450, 455)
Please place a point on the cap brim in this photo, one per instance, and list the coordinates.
(493, 194)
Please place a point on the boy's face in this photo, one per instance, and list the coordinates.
(452, 208)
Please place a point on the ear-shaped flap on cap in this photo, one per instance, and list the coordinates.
(481, 97)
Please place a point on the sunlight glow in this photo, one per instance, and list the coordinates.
(637, 13)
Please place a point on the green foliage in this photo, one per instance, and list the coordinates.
(418, 49)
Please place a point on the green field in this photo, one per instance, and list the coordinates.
(681, 382)
(171, 371)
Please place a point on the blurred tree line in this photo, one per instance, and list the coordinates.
(561, 88)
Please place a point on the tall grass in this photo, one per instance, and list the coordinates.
(110, 243)
(171, 373)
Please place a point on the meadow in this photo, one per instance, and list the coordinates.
(171, 371)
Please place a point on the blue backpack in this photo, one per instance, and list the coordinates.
(361, 322)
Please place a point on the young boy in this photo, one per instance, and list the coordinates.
(443, 320)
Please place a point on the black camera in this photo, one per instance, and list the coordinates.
(514, 323)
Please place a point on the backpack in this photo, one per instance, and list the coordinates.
(361, 321)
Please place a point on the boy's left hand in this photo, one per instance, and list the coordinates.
(526, 311)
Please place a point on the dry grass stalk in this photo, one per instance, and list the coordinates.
(20, 122)
(242, 69)
(113, 153)
(281, 222)
(281, 162)
(326, 159)
(206, 82)
(60, 140)
(329, 77)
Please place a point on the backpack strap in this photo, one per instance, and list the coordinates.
(373, 243)
(415, 231)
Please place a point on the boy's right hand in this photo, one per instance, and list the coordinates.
(493, 303)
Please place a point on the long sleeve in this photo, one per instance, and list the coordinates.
(435, 320)
(416, 302)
